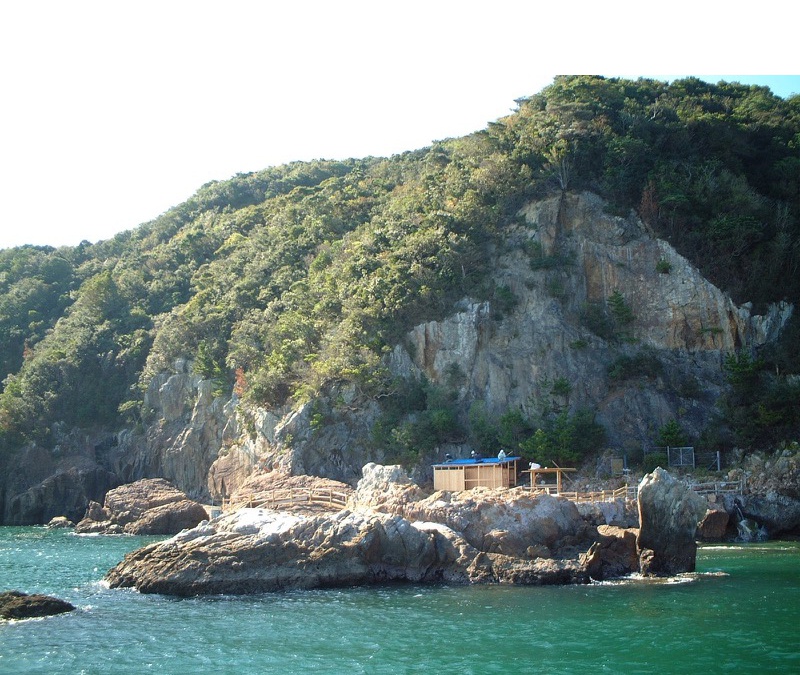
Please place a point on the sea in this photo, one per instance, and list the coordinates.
(739, 613)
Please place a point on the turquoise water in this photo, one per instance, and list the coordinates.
(741, 614)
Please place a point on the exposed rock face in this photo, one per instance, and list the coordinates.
(148, 506)
(778, 513)
(773, 497)
(483, 536)
(40, 485)
(688, 323)
(190, 429)
(669, 513)
(16, 605)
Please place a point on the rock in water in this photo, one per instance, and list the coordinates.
(714, 525)
(60, 523)
(16, 605)
(669, 513)
(148, 506)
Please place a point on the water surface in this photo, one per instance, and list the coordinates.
(740, 613)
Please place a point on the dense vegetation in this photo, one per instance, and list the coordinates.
(281, 282)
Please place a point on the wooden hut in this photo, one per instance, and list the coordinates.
(465, 474)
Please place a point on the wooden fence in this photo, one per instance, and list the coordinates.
(275, 499)
(720, 487)
(625, 492)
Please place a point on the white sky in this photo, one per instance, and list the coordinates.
(112, 111)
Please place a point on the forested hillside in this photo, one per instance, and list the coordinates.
(281, 282)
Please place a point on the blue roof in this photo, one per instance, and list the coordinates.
(483, 460)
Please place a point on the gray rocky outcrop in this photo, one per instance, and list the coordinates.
(772, 499)
(669, 513)
(480, 536)
(60, 523)
(17, 605)
(190, 428)
(37, 485)
(148, 506)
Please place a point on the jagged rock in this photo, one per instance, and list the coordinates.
(507, 521)
(385, 488)
(772, 498)
(253, 551)
(669, 512)
(620, 513)
(60, 523)
(614, 555)
(714, 525)
(148, 506)
(480, 536)
(16, 605)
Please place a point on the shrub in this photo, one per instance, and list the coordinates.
(643, 364)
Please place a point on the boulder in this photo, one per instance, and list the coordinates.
(613, 555)
(385, 488)
(280, 482)
(255, 550)
(714, 525)
(16, 605)
(168, 518)
(148, 506)
(669, 513)
(60, 523)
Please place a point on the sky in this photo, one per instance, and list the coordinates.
(113, 112)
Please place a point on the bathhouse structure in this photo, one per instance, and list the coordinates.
(465, 474)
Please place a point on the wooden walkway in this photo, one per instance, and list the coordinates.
(287, 497)
(335, 500)
(720, 487)
(631, 492)
(628, 492)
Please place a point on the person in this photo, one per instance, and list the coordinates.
(501, 455)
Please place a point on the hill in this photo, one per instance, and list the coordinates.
(291, 288)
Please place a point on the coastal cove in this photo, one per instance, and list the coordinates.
(739, 611)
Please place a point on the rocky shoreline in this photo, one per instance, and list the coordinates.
(391, 531)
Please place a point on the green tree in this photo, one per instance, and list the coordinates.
(671, 434)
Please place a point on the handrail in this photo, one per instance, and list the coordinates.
(624, 492)
(720, 487)
(287, 496)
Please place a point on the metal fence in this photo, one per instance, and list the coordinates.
(687, 457)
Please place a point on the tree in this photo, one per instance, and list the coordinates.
(671, 435)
